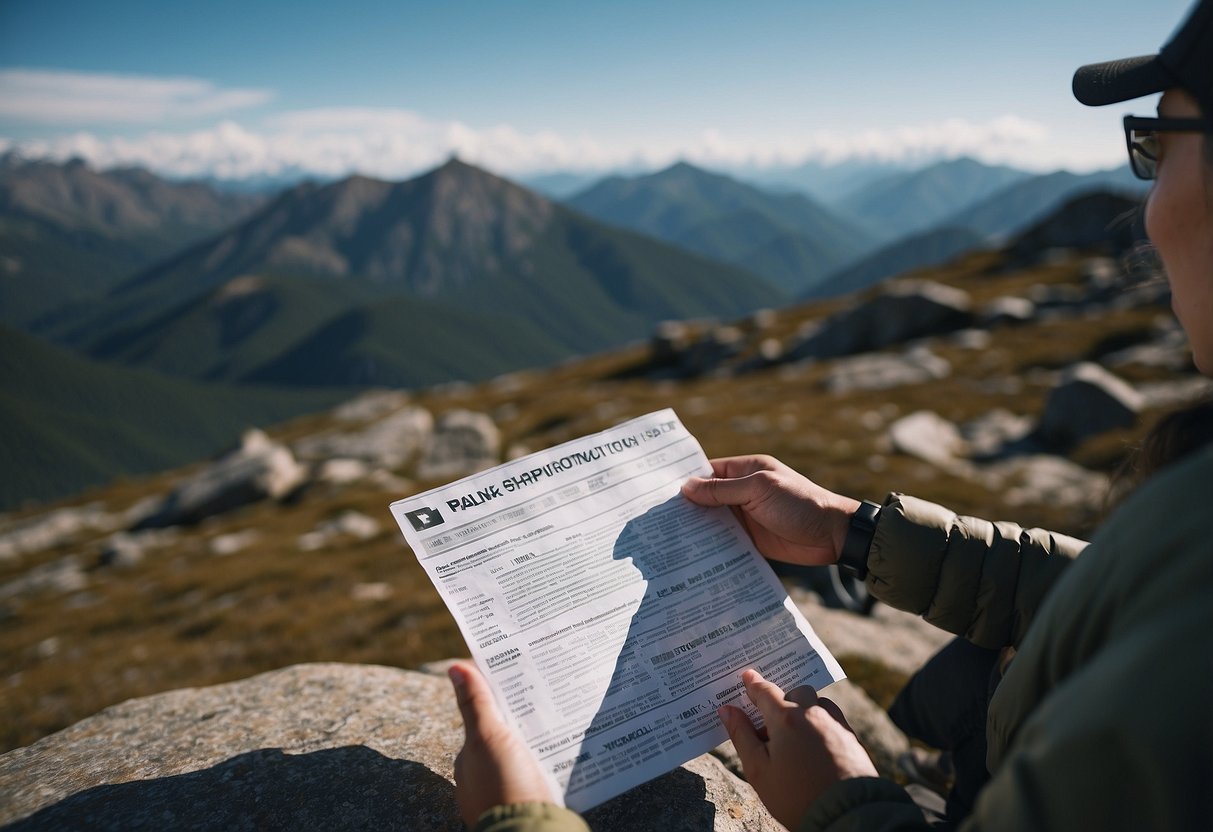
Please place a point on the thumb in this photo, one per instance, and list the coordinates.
(714, 491)
(750, 747)
(475, 699)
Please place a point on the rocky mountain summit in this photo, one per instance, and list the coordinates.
(1005, 384)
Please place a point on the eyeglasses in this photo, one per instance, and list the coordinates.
(1141, 137)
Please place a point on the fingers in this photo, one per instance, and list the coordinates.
(475, 700)
(751, 748)
(767, 697)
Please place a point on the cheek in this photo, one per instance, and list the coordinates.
(1178, 223)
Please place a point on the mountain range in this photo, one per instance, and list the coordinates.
(69, 233)
(912, 202)
(886, 222)
(456, 274)
(787, 238)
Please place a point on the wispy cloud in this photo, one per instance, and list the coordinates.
(58, 97)
(394, 143)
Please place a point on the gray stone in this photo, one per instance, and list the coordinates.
(389, 442)
(900, 641)
(928, 436)
(127, 549)
(883, 371)
(1007, 310)
(60, 576)
(259, 469)
(348, 524)
(233, 542)
(342, 471)
(308, 747)
(372, 405)
(1176, 393)
(990, 433)
(1045, 479)
(321, 746)
(54, 528)
(711, 350)
(906, 310)
(1086, 402)
(971, 339)
(463, 443)
(678, 352)
(669, 339)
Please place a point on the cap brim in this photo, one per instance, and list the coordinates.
(1114, 81)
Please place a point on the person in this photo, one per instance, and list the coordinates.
(1103, 719)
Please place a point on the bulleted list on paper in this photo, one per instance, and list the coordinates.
(611, 616)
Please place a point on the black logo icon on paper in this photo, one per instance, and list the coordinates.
(424, 518)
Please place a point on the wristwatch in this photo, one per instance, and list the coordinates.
(854, 554)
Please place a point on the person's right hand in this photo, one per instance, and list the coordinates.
(788, 516)
(804, 747)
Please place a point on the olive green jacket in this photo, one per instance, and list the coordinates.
(1104, 719)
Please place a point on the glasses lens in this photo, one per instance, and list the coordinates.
(1143, 152)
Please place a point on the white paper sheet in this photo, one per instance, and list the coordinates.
(611, 616)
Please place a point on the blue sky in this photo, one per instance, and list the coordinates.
(390, 88)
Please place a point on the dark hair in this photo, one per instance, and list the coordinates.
(1176, 436)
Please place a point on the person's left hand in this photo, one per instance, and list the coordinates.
(493, 767)
(804, 747)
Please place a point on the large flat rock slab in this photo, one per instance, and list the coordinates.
(315, 746)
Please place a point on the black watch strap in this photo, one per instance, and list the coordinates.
(854, 554)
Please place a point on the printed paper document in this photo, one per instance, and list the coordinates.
(611, 616)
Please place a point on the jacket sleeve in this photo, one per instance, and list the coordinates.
(530, 817)
(863, 804)
(968, 576)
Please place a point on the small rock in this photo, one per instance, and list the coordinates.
(355, 525)
(342, 471)
(372, 405)
(883, 371)
(223, 545)
(928, 436)
(59, 576)
(972, 339)
(377, 591)
(990, 433)
(349, 524)
(122, 551)
(1086, 402)
(1044, 479)
(1007, 310)
(387, 443)
(259, 469)
(55, 528)
(906, 310)
(463, 443)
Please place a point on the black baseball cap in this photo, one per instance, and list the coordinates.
(1185, 61)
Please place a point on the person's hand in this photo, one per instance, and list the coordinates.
(804, 747)
(493, 767)
(788, 516)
